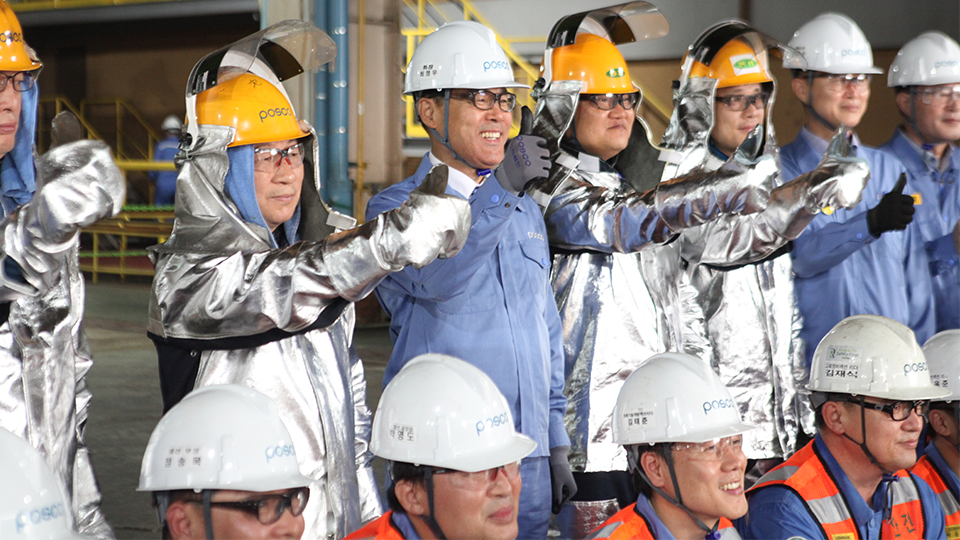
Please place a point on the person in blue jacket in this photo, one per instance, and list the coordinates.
(926, 77)
(166, 150)
(862, 260)
(491, 304)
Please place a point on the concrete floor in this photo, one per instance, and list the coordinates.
(126, 397)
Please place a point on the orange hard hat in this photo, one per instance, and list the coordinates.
(15, 54)
(594, 61)
(258, 110)
(734, 64)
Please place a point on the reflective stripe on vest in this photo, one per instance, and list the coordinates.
(806, 475)
(628, 524)
(380, 529)
(927, 469)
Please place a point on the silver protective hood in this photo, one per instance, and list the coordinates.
(743, 278)
(217, 277)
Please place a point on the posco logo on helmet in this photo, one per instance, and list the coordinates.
(285, 450)
(946, 63)
(271, 113)
(915, 367)
(717, 405)
(37, 516)
(616, 73)
(10, 37)
(492, 422)
(853, 52)
(495, 64)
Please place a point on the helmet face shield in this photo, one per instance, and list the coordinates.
(734, 53)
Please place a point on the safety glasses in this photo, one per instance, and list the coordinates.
(607, 102)
(838, 83)
(740, 102)
(269, 159)
(939, 97)
(711, 450)
(485, 99)
(269, 508)
(480, 480)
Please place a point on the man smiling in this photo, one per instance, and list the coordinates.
(491, 305)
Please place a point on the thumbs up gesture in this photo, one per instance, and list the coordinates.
(894, 211)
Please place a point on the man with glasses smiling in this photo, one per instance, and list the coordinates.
(870, 387)
(926, 77)
(861, 258)
(491, 304)
(452, 454)
(221, 465)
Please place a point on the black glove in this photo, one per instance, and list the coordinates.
(526, 157)
(561, 478)
(894, 211)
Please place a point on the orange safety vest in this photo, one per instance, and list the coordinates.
(927, 469)
(379, 529)
(628, 524)
(807, 476)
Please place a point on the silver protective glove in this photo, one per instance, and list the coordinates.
(742, 186)
(525, 158)
(428, 226)
(77, 184)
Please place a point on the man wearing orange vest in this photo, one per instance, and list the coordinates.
(941, 460)
(682, 432)
(870, 388)
(453, 455)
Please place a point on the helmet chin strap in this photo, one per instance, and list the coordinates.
(207, 514)
(711, 532)
(808, 106)
(445, 138)
(429, 519)
(863, 445)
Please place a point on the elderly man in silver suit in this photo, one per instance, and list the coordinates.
(257, 282)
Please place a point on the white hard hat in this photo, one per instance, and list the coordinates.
(674, 397)
(444, 412)
(221, 437)
(460, 54)
(33, 503)
(869, 355)
(171, 123)
(832, 43)
(942, 352)
(929, 59)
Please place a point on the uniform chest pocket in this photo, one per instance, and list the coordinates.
(534, 273)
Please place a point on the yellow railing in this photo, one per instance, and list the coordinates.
(138, 222)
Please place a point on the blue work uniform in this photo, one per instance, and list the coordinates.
(779, 512)
(166, 181)
(841, 269)
(938, 209)
(492, 306)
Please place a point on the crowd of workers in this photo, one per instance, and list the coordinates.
(594, 336)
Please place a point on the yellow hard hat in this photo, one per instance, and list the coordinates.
(734, 64)
(15, 54)
(258, 110)
(594, 61)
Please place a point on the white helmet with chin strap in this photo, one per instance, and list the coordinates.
(33, 503)
(930, 59)
(460, 54)
(673, 398)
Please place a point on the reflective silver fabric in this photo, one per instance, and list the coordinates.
(217, 277)
(752, 320)
(618, 304)
(44, 355)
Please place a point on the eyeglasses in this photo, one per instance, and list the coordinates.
(608, 102)
(710, 450)
(740, 102)
(838, 83)
(480, 480)
(898, 410)
(22, 80)
(268, 159)
(939, 97)
(269, 508)
(485, 99)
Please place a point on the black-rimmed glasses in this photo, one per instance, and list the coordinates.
(480, 480)
(607, 102)
(485, 99)
(268, 509)
(898, 410)
(22, 80)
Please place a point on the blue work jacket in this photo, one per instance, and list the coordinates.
(938, 209)
(779, 512)
(490, 305)
(842, 270)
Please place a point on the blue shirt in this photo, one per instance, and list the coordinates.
(490, 305)
(937, 214)
(779, 512)
(658, 529)
(842, 270)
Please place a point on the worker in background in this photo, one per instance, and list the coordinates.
(926, 77)
(165, 182)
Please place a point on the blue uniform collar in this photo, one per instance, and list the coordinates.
(926, 158)
(18, 177)
(660, 531)
(951, 476)
(403, 523)
(238, 185)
